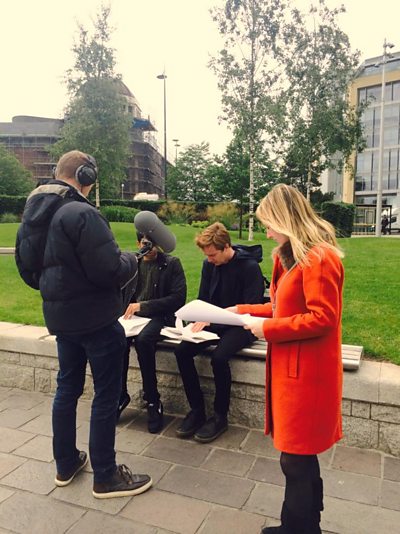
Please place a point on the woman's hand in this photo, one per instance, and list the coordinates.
(257, 328)
(198, 327)
(232, 309)
(131, 309)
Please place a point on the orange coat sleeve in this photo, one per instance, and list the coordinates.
(259, 310)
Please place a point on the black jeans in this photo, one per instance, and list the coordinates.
(301, 511)
(145, 345)
(232, 339)
(103, 350)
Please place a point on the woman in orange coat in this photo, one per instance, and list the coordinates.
(304, 366)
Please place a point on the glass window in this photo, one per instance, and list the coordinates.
(396, 90)
(393, 183)
(391, 136)
(374, 92)
(391, 113)
(362, 95)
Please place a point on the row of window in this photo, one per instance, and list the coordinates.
(374, 93)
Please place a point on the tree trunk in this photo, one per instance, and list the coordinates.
(97, 192)
(251, 195)
(240, 221)
(308, 185)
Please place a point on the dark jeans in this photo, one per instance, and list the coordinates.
(103, 350)
(145, 345)
(232, 339)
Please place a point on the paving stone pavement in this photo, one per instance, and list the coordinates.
(233, 485)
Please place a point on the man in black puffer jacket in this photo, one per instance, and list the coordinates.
(66, 249)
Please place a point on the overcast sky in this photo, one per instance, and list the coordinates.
(36, 37)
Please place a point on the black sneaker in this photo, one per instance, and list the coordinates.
(66, 478)
(214, 427)
(123, 403)
(122, 484)
(155, 418)
(192, 422)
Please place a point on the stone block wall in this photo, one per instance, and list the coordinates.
(371, 396)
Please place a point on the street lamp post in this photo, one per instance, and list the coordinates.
(176, 149)
(122, 191)
(163, 77)
(378, 225)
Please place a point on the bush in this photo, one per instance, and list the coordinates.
(177, 213)
(225, 213)
(118, 213)
(200, 224)
(9, 204)
(140, 205)
(340, 215)
(9, 218)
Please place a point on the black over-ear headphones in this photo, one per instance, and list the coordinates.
(86, 174)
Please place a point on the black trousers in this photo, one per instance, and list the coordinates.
(232, 339)
(301, 511)
(145, 345)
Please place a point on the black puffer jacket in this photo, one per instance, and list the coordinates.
(83, 268)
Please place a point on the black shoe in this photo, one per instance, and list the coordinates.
(66, 478)
(155, 418)
(213, 428)
(273, 530)
(123, 403)
(122, 484)
(192, 422)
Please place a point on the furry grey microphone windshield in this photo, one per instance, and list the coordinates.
(148, 224)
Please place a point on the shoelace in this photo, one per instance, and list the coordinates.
(125, 472)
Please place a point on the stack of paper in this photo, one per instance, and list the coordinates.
(185, 333)
(134, 325)
(201, 311)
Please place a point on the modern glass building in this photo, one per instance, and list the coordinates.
(362, 189)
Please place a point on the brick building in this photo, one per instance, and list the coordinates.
(29, 139)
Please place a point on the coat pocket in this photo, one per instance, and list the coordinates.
(294, 352)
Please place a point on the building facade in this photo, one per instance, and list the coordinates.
(367, 86)
(29, 139)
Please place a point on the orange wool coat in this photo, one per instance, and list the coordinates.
(304, 365)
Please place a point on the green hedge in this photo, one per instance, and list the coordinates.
(119, 213)
(9, 204)
(341, 215)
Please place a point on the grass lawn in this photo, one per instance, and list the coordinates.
(371, 315)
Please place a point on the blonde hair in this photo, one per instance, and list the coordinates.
(286, 211)
(69, 162)
(216, 234)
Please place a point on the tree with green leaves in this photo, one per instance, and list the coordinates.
(95, 120)
(248, 71)
(190, 179)
(14, 178)
(231, 176)
(321, 128)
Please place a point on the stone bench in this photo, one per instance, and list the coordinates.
(371, 395)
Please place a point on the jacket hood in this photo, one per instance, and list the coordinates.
(244, 252)
(40, 203)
